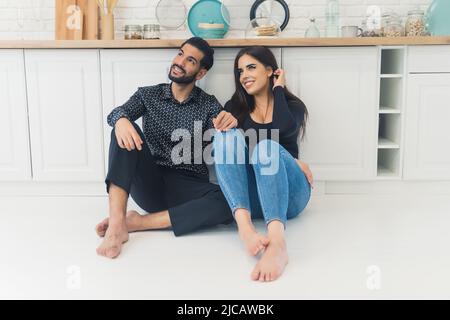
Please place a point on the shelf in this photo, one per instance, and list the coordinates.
(388, 163)
(389, 128)
(384, 143)
(391, 76)
(391, 92)
(389, 110)
(229, 42)
(386, 173)
(392, 61)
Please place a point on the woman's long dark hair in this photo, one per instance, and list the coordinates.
(242, 104)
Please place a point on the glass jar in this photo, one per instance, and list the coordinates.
(262, 27)
(386, 17)
(415, 23)
(369, 32)
(312, 31)
(152, 31)
(394, 28)
(133, 32)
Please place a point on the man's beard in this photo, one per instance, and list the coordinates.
(183, 79)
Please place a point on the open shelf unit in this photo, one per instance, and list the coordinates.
(390, 112)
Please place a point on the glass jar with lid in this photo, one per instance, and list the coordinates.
(371, 31)
(371, 25)
(152, 31)
(394, 28)
(386, 17)
(415, 23)
(312, 31)
(263, 27)
(133, 32)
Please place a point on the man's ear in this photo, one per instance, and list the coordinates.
(201, 74)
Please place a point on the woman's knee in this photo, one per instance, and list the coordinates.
(267, 154)
(265, 148)
(298, 203)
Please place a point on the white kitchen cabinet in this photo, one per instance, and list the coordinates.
(427, 152)
(339, 88)
(219, 81)
(65, 114)
(123, 71)
(14, 154)
(429, 59)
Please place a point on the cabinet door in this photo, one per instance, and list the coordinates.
(219, 81)
(65, 114)
(14, 155)
(123, 71)
(339, 89)
(427, 150)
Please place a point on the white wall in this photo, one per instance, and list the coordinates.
(34, 19)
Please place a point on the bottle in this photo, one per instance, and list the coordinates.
(312, 31)
(332, 19)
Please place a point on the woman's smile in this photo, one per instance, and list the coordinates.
(248, 83)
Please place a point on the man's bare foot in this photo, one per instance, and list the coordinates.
(272, 263)
(254, 242)
(132, 222)
(116, 235)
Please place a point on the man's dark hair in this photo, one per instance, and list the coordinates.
(208, 52)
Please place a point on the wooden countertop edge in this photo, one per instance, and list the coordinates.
(174, 43)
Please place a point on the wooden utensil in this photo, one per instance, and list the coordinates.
(107, 19)
(90, 24)
(101, 5)
(111, 5)
(107, 27)
(76, 20)
(78, 33)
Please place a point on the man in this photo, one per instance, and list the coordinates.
(174, 195)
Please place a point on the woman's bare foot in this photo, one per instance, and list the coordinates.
(275, 258)
(272, 263)
(132, 221)
(116, 235)
(254, 242)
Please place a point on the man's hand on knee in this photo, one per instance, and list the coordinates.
(127, 136)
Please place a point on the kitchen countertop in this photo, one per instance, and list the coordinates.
(175, 43)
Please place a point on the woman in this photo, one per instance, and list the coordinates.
(263, 105)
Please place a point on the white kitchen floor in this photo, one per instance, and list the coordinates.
(342, 246)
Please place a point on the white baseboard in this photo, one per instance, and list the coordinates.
(98, 189)
(52, 189)
(394, 187)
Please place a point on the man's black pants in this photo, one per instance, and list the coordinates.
(192, 201)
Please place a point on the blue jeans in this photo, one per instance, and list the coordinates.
(270, 184)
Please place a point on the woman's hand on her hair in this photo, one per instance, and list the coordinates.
(305, 168)
(225, 121)
(279, 78)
